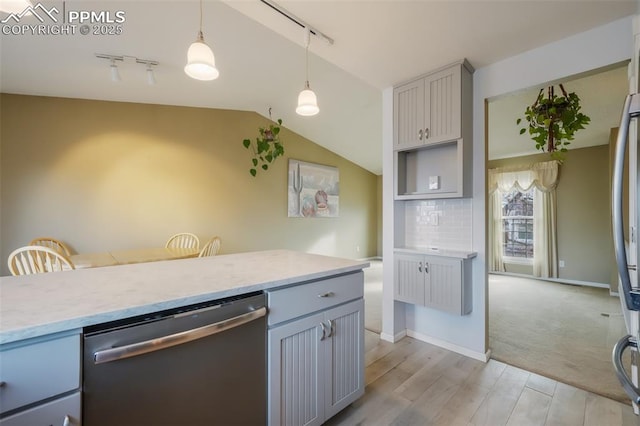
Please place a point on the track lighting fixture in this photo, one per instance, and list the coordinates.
(115, 75)
(125, 60)
(151, 79)
(201, 64)
(307, 100)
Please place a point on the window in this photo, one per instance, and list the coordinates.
(517, 225)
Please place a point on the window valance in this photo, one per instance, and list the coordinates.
(544, 176)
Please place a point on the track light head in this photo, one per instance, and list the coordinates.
(115, 75)
(151, 78)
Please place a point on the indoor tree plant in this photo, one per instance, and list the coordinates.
(266, 147)
(553, 121)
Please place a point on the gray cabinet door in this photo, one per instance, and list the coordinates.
(443, 286)
(443, 105)
(296, 379)
(344, 355)
(408, 114)
(409, 283)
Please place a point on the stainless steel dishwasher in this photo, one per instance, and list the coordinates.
(203, 364)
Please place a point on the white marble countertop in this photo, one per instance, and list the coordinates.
(37, 305)
(459, 254)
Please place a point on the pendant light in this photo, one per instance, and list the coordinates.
(201, 63)
(307, 100)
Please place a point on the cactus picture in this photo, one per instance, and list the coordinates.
(313, 190)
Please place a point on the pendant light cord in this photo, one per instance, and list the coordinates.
(307, 40)
(200, 32)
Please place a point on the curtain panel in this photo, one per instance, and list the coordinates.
(544, 178)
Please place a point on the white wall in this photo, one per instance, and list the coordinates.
(596, 48)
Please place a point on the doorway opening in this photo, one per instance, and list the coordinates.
(536, 320)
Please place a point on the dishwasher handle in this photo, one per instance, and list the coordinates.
(631, 390)
(152, 345)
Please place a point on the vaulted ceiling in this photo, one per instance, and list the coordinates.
(260, 55)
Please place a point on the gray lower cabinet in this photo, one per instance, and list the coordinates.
(316, 361)
(41, 381)
(63, 411)
(438, 282)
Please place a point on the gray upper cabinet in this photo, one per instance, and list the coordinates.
(433, 148)
(433, 108)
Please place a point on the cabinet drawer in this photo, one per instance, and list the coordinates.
(61, 412)
(40, 370)
(300, 300)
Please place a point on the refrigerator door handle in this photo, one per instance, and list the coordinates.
(631, 390)
(631, 109)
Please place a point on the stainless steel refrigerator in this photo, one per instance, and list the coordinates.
(626, 247)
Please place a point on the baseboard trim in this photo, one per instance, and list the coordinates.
(484, 357)
(393, 338)
(555, 280)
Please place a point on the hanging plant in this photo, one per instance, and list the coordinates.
(266, 147)
(553, 121)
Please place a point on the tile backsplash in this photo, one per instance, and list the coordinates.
(445, 224)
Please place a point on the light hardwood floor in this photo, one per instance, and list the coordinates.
(415, 383)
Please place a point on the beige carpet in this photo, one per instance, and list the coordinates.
(560, 331)
(373, 297)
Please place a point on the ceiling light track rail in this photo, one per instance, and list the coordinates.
(284, 12)
(125, 58)
(115, 74)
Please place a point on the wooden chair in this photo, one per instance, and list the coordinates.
(184, 240)
(51, 243)
(37, 260)
(211, 248)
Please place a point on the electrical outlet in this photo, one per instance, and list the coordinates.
(358, 249)
(561, 263)
(433, 218)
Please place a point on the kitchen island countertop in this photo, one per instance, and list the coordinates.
(37, 305)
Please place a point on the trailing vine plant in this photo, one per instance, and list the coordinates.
(553, 121)
(266, 147)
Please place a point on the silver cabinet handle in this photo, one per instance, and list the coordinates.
(426, 267)
(152, 345)
(66, 421)
(324, 331)
(426, 133)
(632, 391)
(332, 328)
(631, 296)
(327, 294)
(420, 134)
(420, 267)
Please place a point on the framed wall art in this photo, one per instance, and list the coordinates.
(314, 190)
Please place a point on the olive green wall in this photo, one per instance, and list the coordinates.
(583, 214)
(106, 175)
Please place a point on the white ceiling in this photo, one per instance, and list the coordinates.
(260, 55)
(601, 97)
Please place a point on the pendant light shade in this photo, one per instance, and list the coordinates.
(307, 102)
(201, 64)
